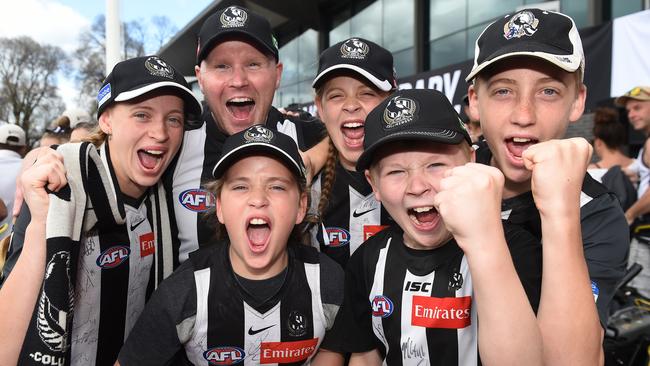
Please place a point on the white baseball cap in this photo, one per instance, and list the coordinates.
(11, 134)
(77, 116)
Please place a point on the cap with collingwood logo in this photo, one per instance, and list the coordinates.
(235, 20)
(641, 93)
(364, 57)
(134, 77)
(259, 140)
(408, 115)
(537, 33)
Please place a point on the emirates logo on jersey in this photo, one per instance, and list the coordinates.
(441, 312)
(287, 352)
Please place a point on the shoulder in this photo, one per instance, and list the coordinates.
(204, 257)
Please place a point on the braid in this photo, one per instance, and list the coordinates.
(327, 180)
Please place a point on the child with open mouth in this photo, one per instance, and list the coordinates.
(258, 295)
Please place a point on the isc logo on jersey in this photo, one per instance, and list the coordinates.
(337, 236)
(113, 256)
(224, 355)
(197, 200)
(381, 306)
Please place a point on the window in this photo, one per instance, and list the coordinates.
(300, 59)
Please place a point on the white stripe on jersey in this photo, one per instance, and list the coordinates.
(468, 336)
(190, 161)
(255, 321)
(288, 128)
(414, 338)
(371, 209)
(168, 255)
(378, 288)
(312, 272)
(199, 340)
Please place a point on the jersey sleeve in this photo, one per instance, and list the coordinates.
(606, 240)
(353, 326)
(526, 252)
(17, 241)
(166, 322)
(310, 130)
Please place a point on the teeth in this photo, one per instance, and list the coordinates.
(520, 139)
(154, 152)
(423, 209)
(240, 100)
(257, 221)
(353, 124)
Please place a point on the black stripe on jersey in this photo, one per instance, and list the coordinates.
(113, 299)
(297, 319)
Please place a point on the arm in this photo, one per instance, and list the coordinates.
(19, 293)
(370, 358)
(327, 358)
(315, 158)
(567, 315)
(469, 202)
(640, 207)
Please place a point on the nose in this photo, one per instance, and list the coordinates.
(351, 104)
(239, 77)
(257, 197)
(524, 111)
(417, 184)
(158, 129)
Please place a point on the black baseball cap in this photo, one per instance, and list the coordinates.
(137, 76)
(412, 114)
(364, 57)
(235, 20)
(260, 140)
(537, 33)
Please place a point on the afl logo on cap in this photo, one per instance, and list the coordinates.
(233, 17)
(159, 67)
(354, 48)
(258, 134)
(521, 24)
(399, 111)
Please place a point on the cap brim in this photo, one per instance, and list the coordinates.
(195, 107)
(255, 148)
(211, 43)
(433, 135)
(384, 85)
(572, 66)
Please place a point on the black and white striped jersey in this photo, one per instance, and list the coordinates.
(605, 233)
(204, 308)
(417, 306)
(352, 215)
(114, 280)
(193, 166)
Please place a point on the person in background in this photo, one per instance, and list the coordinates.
(637, 105)
(81, 124)
(13, 146)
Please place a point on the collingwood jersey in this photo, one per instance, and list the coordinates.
(605, 233)
(114, 279)
(417, 306)
(351, 217)
(200, 152)
(204, 308)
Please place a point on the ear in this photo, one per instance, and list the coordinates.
(473, 110)
(197, 73)
(105, 121)
(373, 184)
(218, 210)
(319, 104)
(278, 74)
(578, 105)
(302, 209)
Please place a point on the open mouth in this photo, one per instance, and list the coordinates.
(258, 232)
(517, 145)
(240, 108)
(353, 133)
(150, 159)
(423, 217)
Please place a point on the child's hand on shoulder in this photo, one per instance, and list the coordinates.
(469, 202)
(558, 169)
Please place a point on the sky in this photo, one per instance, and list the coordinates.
(59, 22)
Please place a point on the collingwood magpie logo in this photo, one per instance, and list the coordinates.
(354, 48)
(233, 17)
(521, 24)
(52, 320)
(455, 281)
(399, 111)
(158, 67)
(297, 324)
(258, 134)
